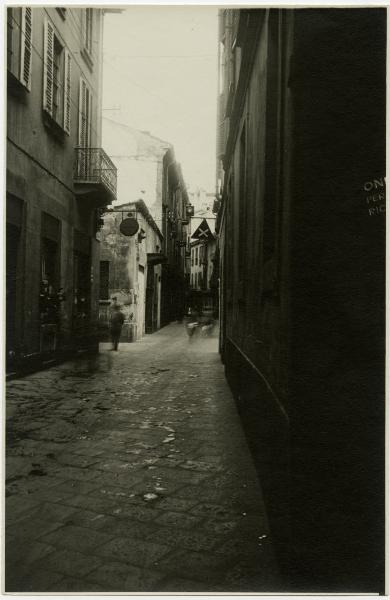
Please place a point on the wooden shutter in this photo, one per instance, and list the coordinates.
(82, 111)
(48, 68)
(26, 47)
(67, 90)
(89, 118)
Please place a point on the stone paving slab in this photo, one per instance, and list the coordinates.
(129, 472)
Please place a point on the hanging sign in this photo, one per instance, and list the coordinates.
(129, 226)
(203, 232)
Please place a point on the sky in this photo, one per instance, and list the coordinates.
(160, 75)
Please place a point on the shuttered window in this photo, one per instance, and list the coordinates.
(26, 47)
(56, 79)
(19, 44)
(88, 29)
(48, 68)
(67, 91)
(87, 36)
(85, 111)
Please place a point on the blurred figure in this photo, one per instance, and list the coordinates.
(116, 323)
(191, 322)
(207, 327)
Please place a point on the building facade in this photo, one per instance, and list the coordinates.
(176, 212)
(130, 271)
(58, 176)
(148, 169)
(301, 163)
(203, 292)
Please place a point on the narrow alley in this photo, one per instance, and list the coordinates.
(204, 185)
(134, 476)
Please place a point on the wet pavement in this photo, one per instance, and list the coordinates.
(129, 472)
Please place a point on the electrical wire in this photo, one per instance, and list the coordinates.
(136, 84)
(156, 56)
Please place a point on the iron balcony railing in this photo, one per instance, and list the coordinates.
(92, 165)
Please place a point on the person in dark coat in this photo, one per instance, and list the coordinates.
(116, 322)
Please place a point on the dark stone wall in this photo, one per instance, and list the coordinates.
(337, 299)
(303, 332)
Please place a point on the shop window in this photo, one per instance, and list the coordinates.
(50, 292)
(12, 254)
(82, 290)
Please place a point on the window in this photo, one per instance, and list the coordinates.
(87, 36)
(56, 79)
(192, 257)
(81, 280)
(104, 279)
(50, 269)
(196, 255)
(19, 44)
(88, 30)
(85, 111)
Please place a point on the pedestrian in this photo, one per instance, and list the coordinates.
(116, 322)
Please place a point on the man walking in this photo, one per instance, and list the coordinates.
(116, 322)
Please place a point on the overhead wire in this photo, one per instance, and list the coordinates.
(135, 83)
(156, 56)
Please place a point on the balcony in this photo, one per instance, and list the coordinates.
(95, 177)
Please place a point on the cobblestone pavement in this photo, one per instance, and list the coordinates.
(129, 472)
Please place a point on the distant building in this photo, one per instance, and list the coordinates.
(203, 283)
(148, 169)
(201, 199)
(139, 157)
(130, 271)
(58, 176)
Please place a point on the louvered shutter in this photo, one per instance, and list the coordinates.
(82, 113)
(89, 118)
(67, 90)
(48, 68)
(26, 47)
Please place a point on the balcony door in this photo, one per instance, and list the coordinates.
(84, 140)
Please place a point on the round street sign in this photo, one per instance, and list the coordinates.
(129, 226)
